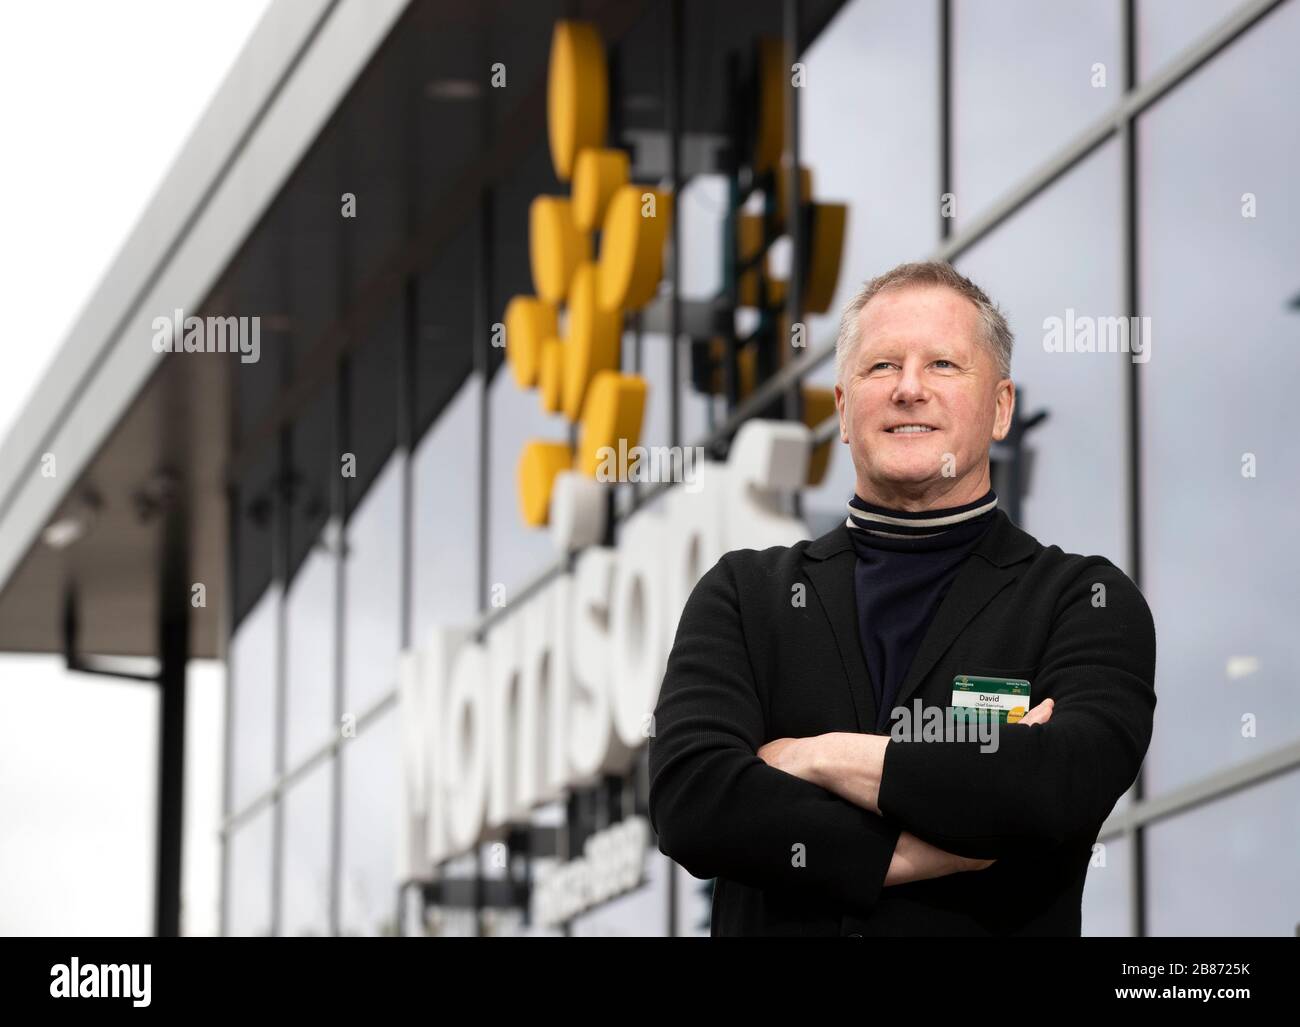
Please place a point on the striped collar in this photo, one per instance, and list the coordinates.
(887, 523)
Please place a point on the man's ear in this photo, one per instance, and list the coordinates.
(1006, 405)
(839, 409)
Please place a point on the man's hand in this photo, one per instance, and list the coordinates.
(917, 860)
(843, 762)
(1040, 714)
(793, 755)
(848, 763)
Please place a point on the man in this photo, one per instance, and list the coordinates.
(783, 763)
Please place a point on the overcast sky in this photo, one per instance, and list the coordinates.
(96, 100)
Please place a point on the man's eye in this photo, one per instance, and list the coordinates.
(948, 362)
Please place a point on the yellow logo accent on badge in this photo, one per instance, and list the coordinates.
(1015, 714)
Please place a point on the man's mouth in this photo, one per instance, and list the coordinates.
(911, 429)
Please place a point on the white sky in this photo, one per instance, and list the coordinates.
(96, 100)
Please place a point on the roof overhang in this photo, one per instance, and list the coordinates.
(117, 416)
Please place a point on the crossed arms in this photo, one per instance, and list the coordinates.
(869, 811)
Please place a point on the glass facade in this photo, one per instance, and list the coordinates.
(1224, 315)
(1182, 213)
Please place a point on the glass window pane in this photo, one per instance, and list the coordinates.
(1229, 868)
(445, 485)
(1107, 910)
(305, 892)
(869, 133)
(515, 552)
(640, 913)
(1024, 75)
(252, 658)
(881, 159)
(309, 637)
(248, 878)
(372, 402)
(1221, 468)
(372, 608)
(1167, 27)
(701, 226)
(371, 793)
(1059, 258)
(654, 354)
(313, 474)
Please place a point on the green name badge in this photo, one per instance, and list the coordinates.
(1005, 698)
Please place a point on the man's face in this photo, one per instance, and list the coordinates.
(920, 361)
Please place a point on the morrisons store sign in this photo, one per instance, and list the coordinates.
(562, 688)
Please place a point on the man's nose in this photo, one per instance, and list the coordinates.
(909, 387)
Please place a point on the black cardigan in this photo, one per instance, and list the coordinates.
(767, 647)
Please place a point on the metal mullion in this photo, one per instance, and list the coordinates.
(280, 577)
(1133, 423)
(792, 401)
(945, 112)
(482, 366)
(339, 515)
(228, 763)
(1210, 789)
(405, 444)
(674, 90)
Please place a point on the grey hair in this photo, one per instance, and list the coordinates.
(996, 334)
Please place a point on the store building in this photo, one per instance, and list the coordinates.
(370, 487)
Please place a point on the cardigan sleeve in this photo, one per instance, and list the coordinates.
(1046, 783)
(718, 808)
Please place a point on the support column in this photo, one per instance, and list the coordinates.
(173, 652)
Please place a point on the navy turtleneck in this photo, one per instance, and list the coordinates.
(906, 563)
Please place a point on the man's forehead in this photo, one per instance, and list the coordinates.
(919, 314)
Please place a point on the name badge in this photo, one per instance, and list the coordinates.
(1006, 698)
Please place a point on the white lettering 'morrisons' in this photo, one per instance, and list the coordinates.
(102, 980)
(563, 688)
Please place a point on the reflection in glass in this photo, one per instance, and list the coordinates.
(1229, 868)
(1107, 911)
(305, 891)
(371, 793)
(1221, 468)
(1058, 258)
(252, 738)
(881, 159)
(1167, 27)
(445, 503)
(309, 638)
(372, 608)
(515, 552)
(248, 880)
(1027, 78)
